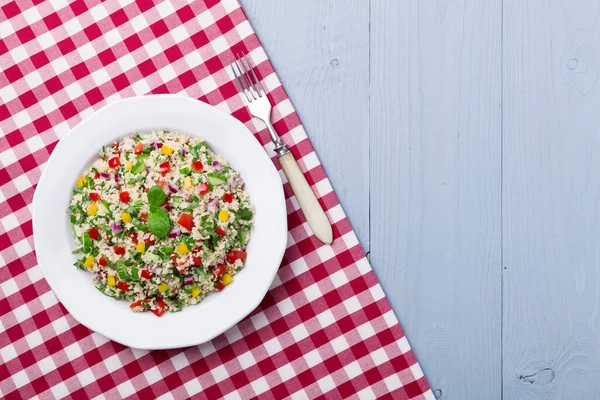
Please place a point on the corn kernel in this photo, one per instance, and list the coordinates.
(166, 150)
(126, 217)
(226, 279)
(93, 209)
(128, 166)
(195, 291)
(140, 247)
(223, 215)
(81, 181)
(111, 281)
(163, 287)
(89, 262)
(182, 248)
(187, 182)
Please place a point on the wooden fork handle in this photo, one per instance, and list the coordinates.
(306, 198)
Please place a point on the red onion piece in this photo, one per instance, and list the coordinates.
(183, 152)
(174, 232)
(116, 228)
(147, 170)
(159, 145)
(167, 207)
(215, 163)
(172, 187)
(104, 175)
(151, 267)
(213, 204)
(116, 177)
(188, 280)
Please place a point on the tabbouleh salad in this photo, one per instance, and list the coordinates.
(161, 221)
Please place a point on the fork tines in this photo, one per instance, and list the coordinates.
(246, 77)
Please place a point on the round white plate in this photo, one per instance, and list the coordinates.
(54, 240)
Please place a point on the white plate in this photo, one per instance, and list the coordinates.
(54, 239)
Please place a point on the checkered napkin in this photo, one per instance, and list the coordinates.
(325, 328)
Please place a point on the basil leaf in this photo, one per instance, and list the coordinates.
(156, 196)
(185, 171)
(122, 270)
(159, 222)
(245, 214)
(105, 204)
(87, 243)
(134, 274)
(139, 166)
(139, 225)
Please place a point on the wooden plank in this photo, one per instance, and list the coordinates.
(322, 57)
(551, 219)
(436, 184)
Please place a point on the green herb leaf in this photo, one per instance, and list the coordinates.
(139, 166)
(159, 222)
(105, 204)
(87, 243)
(135, 207)
(122, 270)
(156, 196)
(185, 171)
(245, 214)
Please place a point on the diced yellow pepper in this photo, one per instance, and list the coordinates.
(195, 291)
(166, 150)
(126, 217)
(89, 262)
(226, 279)
(187, 182)
(111, 281)
(140, 247)
(182, 248)
(81, 181)
(223, 215)
(163, 287)
(128, 166)
(93, 209)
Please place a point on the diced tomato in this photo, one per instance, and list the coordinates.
(139, 148)
(203, 189)
(186, 221)
(124, 197)
(220, 286)
(133, 237)
(94, 196)
(197, 165)
(114, 162)
(144, 217)
(220, 232)
(94, 233)
(234, 255)
(160, 307)
(220, 270)
(123, 285)
(165, 168)
(135, 304)
(146, 274)
(119, 250)
(228, 197)
(147, 239)
(161, 183)
(102, 261)
(96, 175)
(197, 261)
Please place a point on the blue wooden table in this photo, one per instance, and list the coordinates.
(461, 138)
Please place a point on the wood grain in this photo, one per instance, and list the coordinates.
(320, 50)
(436, 184)
(551, 186)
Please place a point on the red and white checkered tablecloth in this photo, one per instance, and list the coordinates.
(325, 329)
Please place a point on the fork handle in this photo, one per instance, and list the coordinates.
(306, 198)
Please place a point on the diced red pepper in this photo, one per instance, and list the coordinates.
(114, 162)
(124, 197)
(186, 221)
(96, 175)
(94, 233)
(119, 250)
(197, 165)
(102, 261)
(203, 189)
(197, 261)
(220, 286)
(139, 148)
(220, 270)
(144, 217)
(135, 304)
(228, 197)
(146, 274)
(234, 255)
(161, 183)
(147, 240)
(220, 232)
(133, 237)
(160, 307)
(94, 196)
(165, 168)
(123, 285)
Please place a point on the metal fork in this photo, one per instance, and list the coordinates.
(258, 104)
